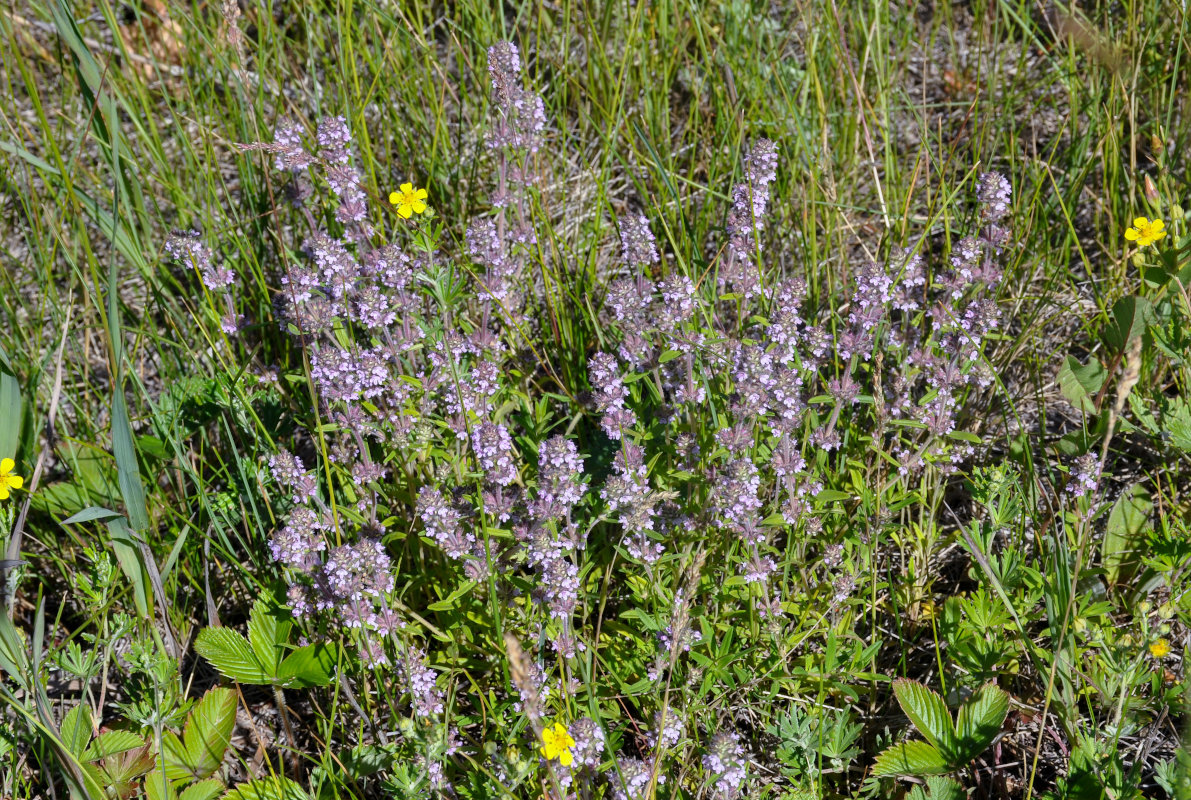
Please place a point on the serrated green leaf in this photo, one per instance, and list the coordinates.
(927, 712)
(177, 760)
(1128, 524)
(312, 665)
(230, 653)
(76, 729)
(268, 632)
(979, 721)
(910, 758)
(209, 731)
(111, 742)
(158, 787)
(1176, 421)
(203, 790)
(945, 788)
(274, 788)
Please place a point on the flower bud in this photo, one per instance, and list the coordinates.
(1138, 260)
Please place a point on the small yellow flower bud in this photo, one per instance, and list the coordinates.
(1138, 260)
(1177, 213)
(1165, 611)
(1144, 606)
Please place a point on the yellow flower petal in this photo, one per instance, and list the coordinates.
(420, 194)
(16, 482)
(1159, 225)
(3, 492)
(1139, 222)
(405, 211)
(565, 758)
(7, 465)
(419, 206)
(1131, 234)
(394, 198)
(406, 188)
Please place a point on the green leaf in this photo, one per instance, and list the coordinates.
(910, 758)
(1130, 317)
(111, 742)
(927, 711)
(209, 731)
(945, 788)
(76, 730)
(230, 653)
(10, 415)
(1176, 421)
(1128, 524)
(203, 790)
(1080, 382)
(132, 564)
(268, 632)
(91, 513)
(274, 788)
(312, 665)
(158, 787)
(979, 721)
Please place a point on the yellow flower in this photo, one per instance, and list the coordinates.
(1160, 648)
(409, 201)
(7, 479)
(1145, 232)
(558, 744)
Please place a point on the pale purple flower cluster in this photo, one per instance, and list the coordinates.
(1085, 476)
(750, 199)
(725, 764)
(188, 247)
(633, 781)
(334, 146)
(667, 729)
(994, 193)
(445, 524)
(522, 115)
(589, 743)
(494, 450)
(610, 395)
(287, 469)
(638, 248)
(425, 696)
(301, 541)
(560, 483)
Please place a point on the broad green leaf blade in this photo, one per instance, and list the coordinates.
(128, 556)
(209, 731)
(945, 788)
(109, 743)
(175, 757)
(230, 653)
(1080, 383)
(10, 415)
(91, 513)
(268, 632)
(158, 787)
(910, 758)
(1130, 317)
(203, 790)
(274, 788)
(979, 721)
(927, 711)
(312, 665)
(76, 730)
(1128, 525)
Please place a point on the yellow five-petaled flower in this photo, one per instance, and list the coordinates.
(8, 481)
(1146, 232)
(409, 201)
(1160, 648)
(557, 743)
